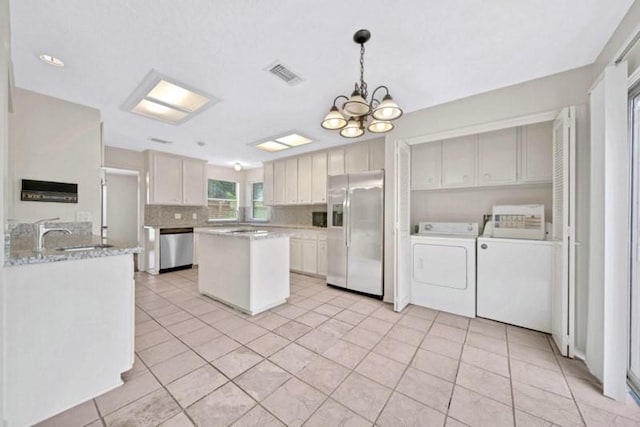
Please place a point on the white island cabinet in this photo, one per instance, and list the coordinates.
(247, 269)
(69, 329)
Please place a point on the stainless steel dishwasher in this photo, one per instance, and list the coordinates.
(176, 249)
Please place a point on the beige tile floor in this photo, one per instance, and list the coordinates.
(332, 358)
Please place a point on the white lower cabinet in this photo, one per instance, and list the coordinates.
(322, 257)
(308, 252)
(310, 255)
(295, 249)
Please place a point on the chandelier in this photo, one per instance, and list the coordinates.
(358, 109)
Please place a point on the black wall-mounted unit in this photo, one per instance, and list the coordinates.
(47, 191)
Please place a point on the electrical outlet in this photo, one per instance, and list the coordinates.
(177, 216)
(194, 216)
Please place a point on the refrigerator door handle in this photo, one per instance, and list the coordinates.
(347, 215)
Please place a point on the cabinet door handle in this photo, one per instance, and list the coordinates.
(487, 176)
(483, 246)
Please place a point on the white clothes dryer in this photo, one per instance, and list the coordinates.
(443, 273)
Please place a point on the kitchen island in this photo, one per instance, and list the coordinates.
(69, 320)
(247, 269)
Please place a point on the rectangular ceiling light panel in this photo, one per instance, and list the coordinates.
(167, 100)
(293, 140)
(271, 146)
(177, 96)
(157, 111)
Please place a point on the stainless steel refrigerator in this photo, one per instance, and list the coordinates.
(355, 207)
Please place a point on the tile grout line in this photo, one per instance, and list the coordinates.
(222, 373)
(564, 376)
(394, 389)
(513, 399)
(329, 396)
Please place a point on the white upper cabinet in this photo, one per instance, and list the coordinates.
(537, 154)
(175, 180)
(304, 179)
(498, 157)
(267, 195)
(278, 182)
(459, 162)
(376, 154)
(336, 162)
(165, 180)
(319, 178)
(356, 157)
(426, 166)
(291, 181)
(194, 182)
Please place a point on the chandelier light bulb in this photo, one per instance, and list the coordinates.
(387, 109)
(352, 130)
(237, 167)
(334, 119)
(356, 106)
(379, 126)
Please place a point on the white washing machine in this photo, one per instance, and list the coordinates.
(443, 267)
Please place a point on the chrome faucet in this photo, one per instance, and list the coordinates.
(42, 231)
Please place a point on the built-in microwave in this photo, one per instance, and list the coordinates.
(319, 219)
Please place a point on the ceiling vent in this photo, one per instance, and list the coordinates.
(160, 141)
(281, 71)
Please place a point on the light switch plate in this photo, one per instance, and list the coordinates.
(194, 216)
(177, 216)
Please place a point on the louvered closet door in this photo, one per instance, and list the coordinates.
(563, 293)
(402, 261)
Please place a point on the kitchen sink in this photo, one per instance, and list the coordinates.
(79, 248)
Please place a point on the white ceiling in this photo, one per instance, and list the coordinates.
(426, 52)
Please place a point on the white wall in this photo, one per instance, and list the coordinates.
(468, 205)
(535, 96)
(54, 140)
(4, 136)
(121, 158)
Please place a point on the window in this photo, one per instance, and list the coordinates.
(258, 209)
(222, 199)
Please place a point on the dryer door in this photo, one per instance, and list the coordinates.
(440, 265)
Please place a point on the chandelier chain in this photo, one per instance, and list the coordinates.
(363, 84)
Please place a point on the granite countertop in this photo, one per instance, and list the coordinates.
(232, 233)
(240, 224)
(21, 249)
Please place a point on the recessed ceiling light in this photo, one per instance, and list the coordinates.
(177, 96)
(271, 146)
(162, 98)
(293, 140)
(158, 111)
(52, 60)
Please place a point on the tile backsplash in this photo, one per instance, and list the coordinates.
(285, 215)
(166, 215)
(294, 215)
